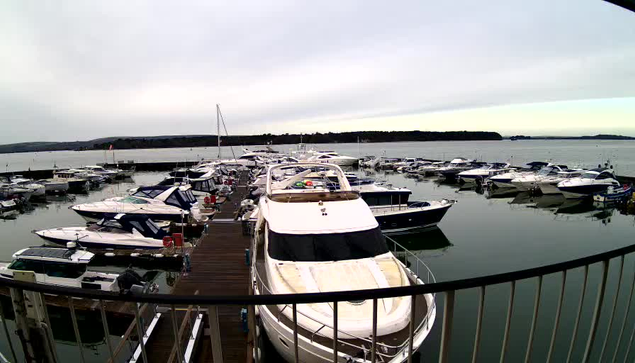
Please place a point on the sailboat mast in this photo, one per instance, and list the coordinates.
(218, 127)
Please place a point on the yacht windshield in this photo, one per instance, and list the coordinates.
(327, 247)
(590, 175)
(133, 200)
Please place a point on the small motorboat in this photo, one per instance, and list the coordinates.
(60, 267)
(613, 194)
(113, 231)
(479, 175)
(456, 166)
(410, 216)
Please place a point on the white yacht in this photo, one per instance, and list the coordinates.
(114, 231)
(591, 182)
(61, 267)
(100, 170)
(331, 157)
(482, 173)
(306, 239)
(37, 190)
(549, 184)
(530, 181)
(504, 180)
(455, 167)
(159, 202)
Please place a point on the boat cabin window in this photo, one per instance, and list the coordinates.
(589, 175)
(133, 200)
(66, 270)
(27, 265)
(604, 175)
(327, 247)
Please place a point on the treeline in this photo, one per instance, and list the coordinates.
(316, 138)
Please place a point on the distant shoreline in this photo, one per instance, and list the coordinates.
(191, 141)
(177, 141)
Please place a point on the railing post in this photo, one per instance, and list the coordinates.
(104, 322)
(577, 320)
(78, 338)
(596, 312)
(177, 340)
(446, 330)
(214, 334)
(556, 323)
(411, 332)
(532, 331)
(508, 321)
(335, 359)
(140, 332)
(295, 333)
(626, 314)
(6, 332)
(617, 295)
(373, 352)
(479, 321)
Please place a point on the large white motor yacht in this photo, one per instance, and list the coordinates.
(307, 238)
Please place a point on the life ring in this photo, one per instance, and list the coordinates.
(167, 241)
(207, 200)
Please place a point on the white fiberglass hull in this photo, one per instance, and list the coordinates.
(281, 336)
(93, 239)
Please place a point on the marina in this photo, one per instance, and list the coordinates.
(217, 262)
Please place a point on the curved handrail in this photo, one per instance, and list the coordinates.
(308, 298)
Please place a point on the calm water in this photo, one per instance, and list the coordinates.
(482, 234)
(572, 152)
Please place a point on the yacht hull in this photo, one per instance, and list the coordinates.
(281, 336)
(391, 221)
(584, 191)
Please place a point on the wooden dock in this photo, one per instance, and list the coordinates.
(217, 268)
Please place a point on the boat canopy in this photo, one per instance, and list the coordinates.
(129, 222)
(180, 197)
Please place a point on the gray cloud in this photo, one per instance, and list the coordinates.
(89, 69)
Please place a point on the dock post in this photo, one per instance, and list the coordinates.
(214, 334)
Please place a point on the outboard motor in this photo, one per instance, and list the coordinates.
(130, 281)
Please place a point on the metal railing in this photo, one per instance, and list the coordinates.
(618, 324)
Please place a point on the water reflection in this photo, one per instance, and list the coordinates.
(430, 239)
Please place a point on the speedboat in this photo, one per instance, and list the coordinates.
(159, 202)
(432, 169)
(306, 241)
(54, 186)
(591, 182)
(331, 157)
(107, 174)
(114, 231)
(549, 184)
(482, 173)
(60, 267)
(530, 181)
(76, 183)
(455, 167)
(37, 190)
(504, 180)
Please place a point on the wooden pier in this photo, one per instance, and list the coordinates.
(218, 267)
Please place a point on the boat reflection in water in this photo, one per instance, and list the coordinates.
(422, 242)
(566, 209)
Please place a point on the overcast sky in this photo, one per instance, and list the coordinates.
(76, 70)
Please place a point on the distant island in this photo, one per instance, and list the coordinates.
(594, 137)
(152, 142)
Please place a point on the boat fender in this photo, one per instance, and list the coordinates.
(243, 320)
